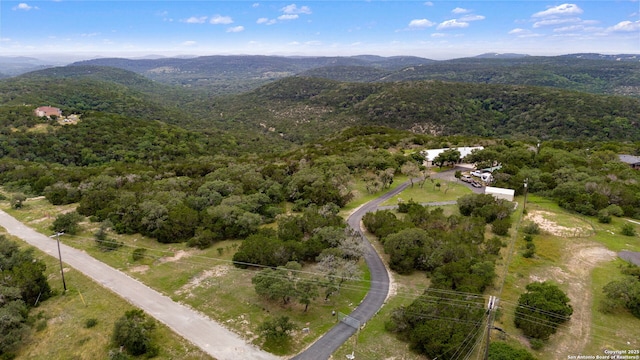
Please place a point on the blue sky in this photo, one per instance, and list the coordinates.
(431, 29)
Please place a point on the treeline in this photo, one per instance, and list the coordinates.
(23, 285)
(433, 107)
(585, 178)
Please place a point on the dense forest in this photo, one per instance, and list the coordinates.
(273, 167)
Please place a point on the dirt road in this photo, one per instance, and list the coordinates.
(203, 332)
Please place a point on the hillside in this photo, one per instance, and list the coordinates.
(235, 74)
(595, 73)
(599, 76)
(302, 109)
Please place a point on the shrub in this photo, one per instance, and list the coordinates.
(133, 332)
(89, 323)
(531, 228)
(501, 226)
(67, 223)
(628, 230)
(604, 217)
(541, 310)
(138, 254)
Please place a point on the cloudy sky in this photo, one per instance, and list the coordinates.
(431, 29)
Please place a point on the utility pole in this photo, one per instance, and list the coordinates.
(57, 235)
(493, 302)
(524, 205)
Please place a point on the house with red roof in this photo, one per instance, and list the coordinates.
(48, 111)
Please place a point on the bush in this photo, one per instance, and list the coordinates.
(501, 226)
(531, 228)
(133, 332)
(504, 351)
(138, 254)
(89, 323)
(17, 201)
(604, 217)
(541, 310)
(628, 230)
(67, 223)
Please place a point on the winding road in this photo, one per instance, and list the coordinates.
(373, 301)
(375, 298)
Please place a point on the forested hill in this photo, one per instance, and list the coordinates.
(588, 74)
(236, 74)
(302, 109)
(595, 73)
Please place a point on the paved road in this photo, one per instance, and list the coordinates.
(334, 338)
(203, 332)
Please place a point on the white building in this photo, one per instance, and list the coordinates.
(500, 193)
(431, 154)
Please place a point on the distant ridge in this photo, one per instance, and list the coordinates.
(501, 56)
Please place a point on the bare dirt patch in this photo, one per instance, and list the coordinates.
(139, 269)
(580, 259)
(217, 271)
(543, 219)
(177, 256)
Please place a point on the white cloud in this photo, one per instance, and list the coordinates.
(266, 21)
(553, 22)
(235, 29)
(288, 17)
(523, 33)
(5, 39)
(626, 26)
(196, 20)
(293, 9)
(452, 24)
(420, 24)
(560, 10)
(438, 35)
(428, 3)
(25, 7)
(189, 43)
(255, 5)
(460, 10)
(569, 28)
(220, 20)
(472, 17)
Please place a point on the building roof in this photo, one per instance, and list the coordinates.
(464, 151)
(497, 190)
(48, 111)
(629, 159)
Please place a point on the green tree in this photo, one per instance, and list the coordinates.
(503, 351)
(410, 169)
(68, 223)
(277, 329)
(17, 200)
(628, 230)
(541, 310)
(623, 293)
(436, 324)
(133, 331)
(275, 284)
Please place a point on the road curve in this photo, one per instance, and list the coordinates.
(203, 332)
(375, 298)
